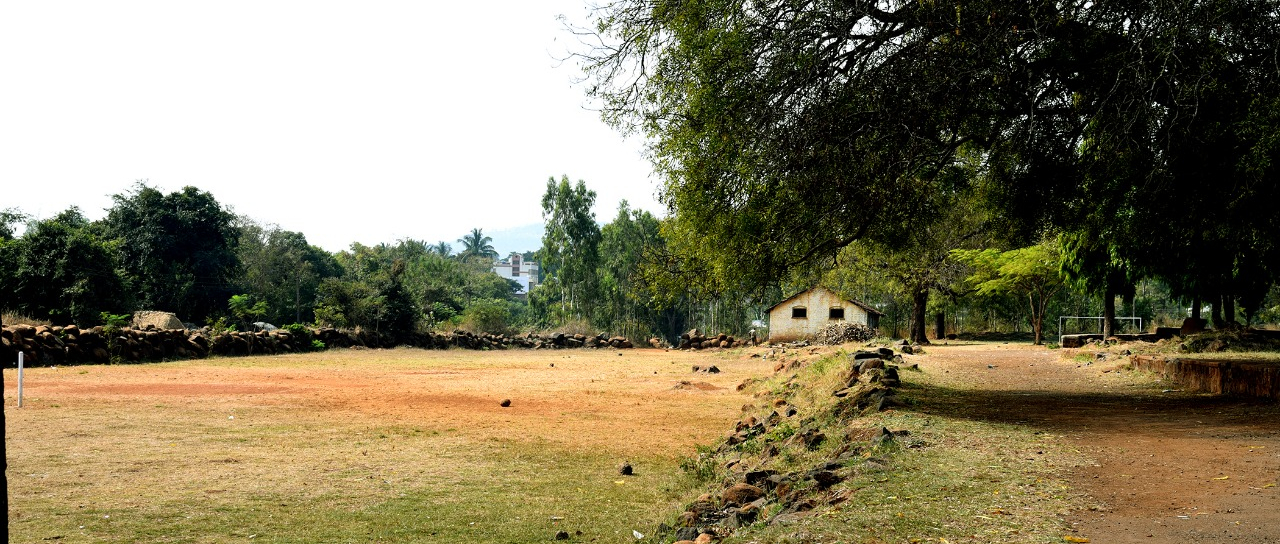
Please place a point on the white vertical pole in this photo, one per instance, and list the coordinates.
(20, 354)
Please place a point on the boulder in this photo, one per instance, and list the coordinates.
(156, 320)
(740, 494)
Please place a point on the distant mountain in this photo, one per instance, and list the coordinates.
(520, 239)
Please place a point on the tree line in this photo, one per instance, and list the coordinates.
(184, 252)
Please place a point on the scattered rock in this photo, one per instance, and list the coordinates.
(687, 534)
(825, 478)
(883, 438)
(741, 493)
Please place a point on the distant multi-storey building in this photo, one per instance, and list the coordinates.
(523, 273)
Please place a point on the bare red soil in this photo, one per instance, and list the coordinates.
(1171, 466)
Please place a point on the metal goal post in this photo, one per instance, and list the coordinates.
(1063, 319)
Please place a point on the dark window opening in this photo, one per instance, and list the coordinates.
(799, 313)
(837, 313)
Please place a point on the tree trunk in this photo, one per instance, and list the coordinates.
(1108, 313)
(939, 326)
(1195, 307)
(919, 302)
(4, 450)
(1229, 310)
(297, 301)
(1216, 313)
(1037, 320)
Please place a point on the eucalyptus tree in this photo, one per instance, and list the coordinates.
(570, 246)
(624, 243)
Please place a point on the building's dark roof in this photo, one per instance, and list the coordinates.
(867, 307)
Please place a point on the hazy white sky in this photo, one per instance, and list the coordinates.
(347, 121)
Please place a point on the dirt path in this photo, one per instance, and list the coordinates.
(1169, 466)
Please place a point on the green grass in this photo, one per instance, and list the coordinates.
(491, 491)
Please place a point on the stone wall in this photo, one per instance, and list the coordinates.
(44, 345)
(1240, 378)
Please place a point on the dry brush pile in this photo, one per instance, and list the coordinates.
(840, 333)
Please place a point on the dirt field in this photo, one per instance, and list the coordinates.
(1170, 466)
(101, 452)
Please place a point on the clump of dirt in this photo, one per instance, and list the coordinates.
(699, 386)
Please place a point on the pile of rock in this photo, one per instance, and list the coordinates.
(694, 339)
(757, 491)
(844, 331)
(562, 340)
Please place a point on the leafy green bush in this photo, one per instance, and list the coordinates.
(219, 326)
(111, 324)
(487, 315)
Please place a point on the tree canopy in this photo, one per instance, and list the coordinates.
(177, 251)
(785, 130)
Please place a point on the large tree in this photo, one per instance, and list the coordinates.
(178, 250)
(918, 261)
(786, 130)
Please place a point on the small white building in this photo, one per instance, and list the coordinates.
(523, 273)
(805, 314)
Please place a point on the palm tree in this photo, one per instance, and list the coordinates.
(442, 249)
(477, 244)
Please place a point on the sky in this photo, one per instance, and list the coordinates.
(364, 122)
